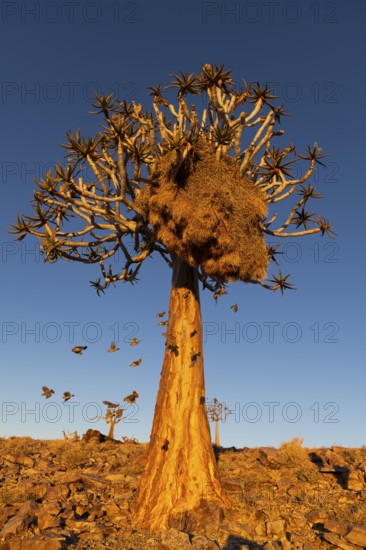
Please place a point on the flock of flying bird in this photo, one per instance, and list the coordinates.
(47, 392)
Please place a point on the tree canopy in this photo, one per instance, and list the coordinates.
(157, 182)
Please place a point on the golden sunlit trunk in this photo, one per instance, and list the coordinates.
(181, 469)
(111, 431)
(217, 436)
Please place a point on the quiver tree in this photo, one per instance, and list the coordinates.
(217, 412)
(194, 186)
(112, 416)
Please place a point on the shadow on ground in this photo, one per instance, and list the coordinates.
(339, 473)
(220, 450)
(234, 542)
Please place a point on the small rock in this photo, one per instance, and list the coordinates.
(285, 544)
(233, 485)
(333, 469)
(115, 477)
(236, 528)
(202, 542)
(21, 520)
(354, 482)
(86, 536)
(111, 509)
(206, 517)
(176, 539)
(357, 535)
(294, 520)
(45, 541)
(337, 541)
(95, 435)
(46, 521)
(95, 512)
(6, 512)
(268, 457)
(277, 527)
(56, 493)
(272, 546)
(338, 527)
(71, 477)
(260, 529)
(43, 464)
(81, 510)
(316, 516)
(27, 461)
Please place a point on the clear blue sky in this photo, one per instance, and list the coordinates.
(287, 366)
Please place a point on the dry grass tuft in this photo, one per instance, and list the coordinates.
(11, 493)
(17, 445)
(205, 213)
(74, 456)
(292, 453)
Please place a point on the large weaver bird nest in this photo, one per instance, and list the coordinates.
(207, 214)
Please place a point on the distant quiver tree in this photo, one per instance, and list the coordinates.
(217, 412)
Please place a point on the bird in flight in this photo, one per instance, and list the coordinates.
(79, 349)
(160, 314)
(47, 392)
(134, 341)
(234, 308)
(110, 405)
(162, 323)
(67, 396)
(136, 363)
(113, 347)
(132, 397)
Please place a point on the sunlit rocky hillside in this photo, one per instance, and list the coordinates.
(77, 494)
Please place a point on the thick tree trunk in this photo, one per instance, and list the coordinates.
(217, 437)
(111, 431)
(181, 469)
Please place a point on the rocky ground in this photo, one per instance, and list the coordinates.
(77, 494)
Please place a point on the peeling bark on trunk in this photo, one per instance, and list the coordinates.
(181, 469)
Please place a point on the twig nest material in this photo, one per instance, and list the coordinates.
(205, 213)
